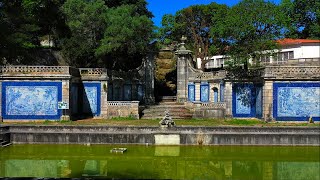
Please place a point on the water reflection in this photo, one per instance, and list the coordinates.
(161, 162)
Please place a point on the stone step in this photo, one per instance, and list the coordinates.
(176, 111)
(4, 143)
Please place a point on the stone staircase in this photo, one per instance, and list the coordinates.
(176, 111)
(4, 136)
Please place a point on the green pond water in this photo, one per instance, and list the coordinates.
(161, 162)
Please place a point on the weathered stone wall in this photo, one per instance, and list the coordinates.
(177, 135)
(33, 92)
(123, 109)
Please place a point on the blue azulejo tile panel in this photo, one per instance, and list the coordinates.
(296, 101)
(244, 100)
(31, 100)
(191, 92)
(204, 92)
(91, 98)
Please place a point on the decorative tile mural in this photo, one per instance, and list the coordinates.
(204, 92)
(243, 100)
(296, 101)
(247, 100)
(191, 92)
(91, 98)
(31, 100)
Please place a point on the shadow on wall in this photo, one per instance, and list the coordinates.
(81, 108)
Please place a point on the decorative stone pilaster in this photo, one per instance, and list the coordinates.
(267, 100)
(104, 99)
(228, 98)
(149, 79)
(182, 71)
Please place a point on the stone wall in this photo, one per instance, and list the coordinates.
(33, 92)
(171, 136)
(123, 109)
(301, 82)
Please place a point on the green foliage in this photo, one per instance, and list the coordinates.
(85, 20)
(126, 36)
(22, 24)
(250, 27)
(303, 18)
(195, 22)
(107, 33)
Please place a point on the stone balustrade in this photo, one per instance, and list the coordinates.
(123, 103)
(13, 70)
(292, 72)
(92, 71)
(205, 76)
(204, 105)
(216, 105)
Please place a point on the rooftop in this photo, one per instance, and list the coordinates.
(296, 41)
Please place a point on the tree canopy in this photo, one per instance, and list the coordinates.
(95, 33)
(243, 30)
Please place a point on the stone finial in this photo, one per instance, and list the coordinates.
(183, 39)
(182, 50)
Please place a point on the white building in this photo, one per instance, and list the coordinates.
(291, 51)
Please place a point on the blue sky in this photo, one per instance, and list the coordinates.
(161, 7)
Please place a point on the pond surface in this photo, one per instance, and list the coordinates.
(161, 162)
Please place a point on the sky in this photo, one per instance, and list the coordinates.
(162, 7)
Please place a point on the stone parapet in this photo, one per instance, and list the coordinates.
(185, 135)
(292, 72)
(25, 72)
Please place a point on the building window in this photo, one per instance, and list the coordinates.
(265, 59)
(220, 62)
(284, 56)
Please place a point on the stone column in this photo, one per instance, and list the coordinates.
(1, 102)
(104, 99)
(228, 98)
(267, 100)
(66, 88)
(149, 79)
(182, 72)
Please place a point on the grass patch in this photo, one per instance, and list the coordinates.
(244, 122)
(124, 118)
(129, 121)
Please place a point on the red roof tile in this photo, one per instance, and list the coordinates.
(296, 41)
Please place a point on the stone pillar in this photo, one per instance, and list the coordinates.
(182, 72)
(104, 99)
(149, 79)
(66, 88)
(1, 102)
(267, 100)
(228, 98)
(197, 91)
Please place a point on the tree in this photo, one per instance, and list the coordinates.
(250, 27)
(195, 22)
(23, 23)
(303, 18)
(126, 37)
(107, 33)
(86, 22)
